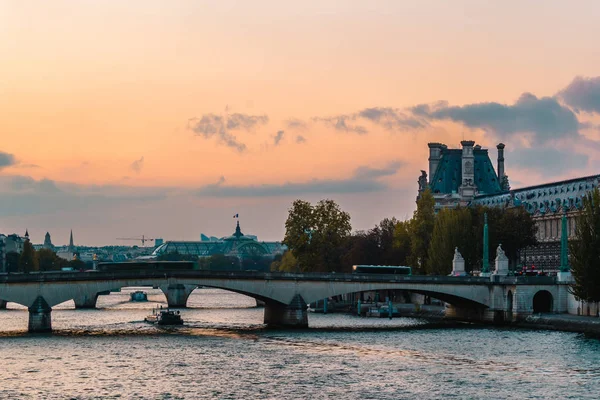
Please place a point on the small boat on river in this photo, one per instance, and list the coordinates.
(162, 316)
(138, 295)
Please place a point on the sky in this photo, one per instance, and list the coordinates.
(120, 119)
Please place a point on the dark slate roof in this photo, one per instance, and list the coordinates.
(447, 177)
(545, 198)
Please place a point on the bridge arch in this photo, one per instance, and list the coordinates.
(543, 302)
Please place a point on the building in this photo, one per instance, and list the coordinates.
(48, 242)
(238, 245)
(464, 177)
(11, 246)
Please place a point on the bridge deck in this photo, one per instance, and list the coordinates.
(71, 276)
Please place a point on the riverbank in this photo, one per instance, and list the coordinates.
(555, 322)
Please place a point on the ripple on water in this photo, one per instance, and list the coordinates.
(225, 352)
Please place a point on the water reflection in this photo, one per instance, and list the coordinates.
(224, 351)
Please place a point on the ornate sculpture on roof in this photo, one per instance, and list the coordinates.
(422, 181)
(504, 184)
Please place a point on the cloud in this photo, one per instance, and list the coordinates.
(364, 180)
(210, 125)
(24, 195)
(548, 160)
(28, 184)
(340, 123)
(245, 122)
(300, 139)
(387, 117)
(391, 118)
(137, 165)
(365, 172)
(6, 160)
(278, 137)
(544, 117)
(582, 94)
(295, 123)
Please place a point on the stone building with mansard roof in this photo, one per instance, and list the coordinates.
(466, 177)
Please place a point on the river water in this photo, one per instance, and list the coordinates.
(224, 352)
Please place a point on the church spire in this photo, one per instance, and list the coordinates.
(71, 245)
(27, 233)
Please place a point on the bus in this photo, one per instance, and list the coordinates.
(382, 269)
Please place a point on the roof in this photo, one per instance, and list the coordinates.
(544, 198)
(448, 175)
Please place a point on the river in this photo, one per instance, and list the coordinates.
(224, 352)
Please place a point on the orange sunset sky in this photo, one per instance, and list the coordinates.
(165, 118)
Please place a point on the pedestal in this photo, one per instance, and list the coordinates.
(564, 276)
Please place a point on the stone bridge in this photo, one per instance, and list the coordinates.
(286, 294)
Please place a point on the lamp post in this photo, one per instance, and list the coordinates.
(485, 269)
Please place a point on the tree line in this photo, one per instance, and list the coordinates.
(319, 238)
(31, 260)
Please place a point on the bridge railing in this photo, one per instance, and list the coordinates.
(72, 276)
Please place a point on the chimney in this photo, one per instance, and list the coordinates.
(500, 148)
(435, 154)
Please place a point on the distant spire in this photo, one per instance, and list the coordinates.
(27, 233)
(238, 232)
(71, 245)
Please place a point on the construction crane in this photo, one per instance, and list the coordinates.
(142, 239)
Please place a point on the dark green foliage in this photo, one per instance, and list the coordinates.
(27, 258)
(421, 230)
(452, 229)
(47, 260)
(12, 261)
(220, 262)
(316, 235)
(256, 263)
(375, 247)
(585, 250)
(462, 228)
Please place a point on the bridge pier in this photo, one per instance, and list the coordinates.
(85, 301)
(39, 316)
(259, 303)
(177, 294)
(293, 315)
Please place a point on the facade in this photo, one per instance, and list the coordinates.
(238, 245)
(10, 244)
(464, 177)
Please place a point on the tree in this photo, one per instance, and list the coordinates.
(516, 230)
(585, 250)
(47, 260)
(402, 242)
(376, 246)
(315, 234)
(12, 261)
(27, 258)
(452, 229)
(286, 263)
(421, 229)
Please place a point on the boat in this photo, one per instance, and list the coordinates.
(162, 316)
(138, 295)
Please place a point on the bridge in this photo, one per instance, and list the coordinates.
(486, 299)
